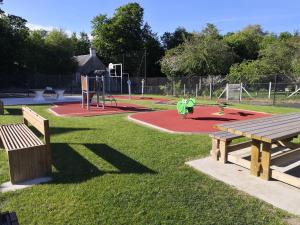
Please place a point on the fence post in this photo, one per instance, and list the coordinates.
(227, 92)
(270, 89)
(196, 93)
(143, 82)
(241, 92)
(275, 87)
(174, 88)
(210, 90)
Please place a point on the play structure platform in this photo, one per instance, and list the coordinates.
(201, 121)
(75, 109)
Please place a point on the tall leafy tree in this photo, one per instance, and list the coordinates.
(80, 44)
(172, 40)
(120, 36)
(246, 43)
(204, 54)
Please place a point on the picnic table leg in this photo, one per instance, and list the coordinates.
(223, 151)
(215, 149)
(265, 160)
(255, 159)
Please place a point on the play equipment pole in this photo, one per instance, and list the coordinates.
(270, 88)
(143, 82)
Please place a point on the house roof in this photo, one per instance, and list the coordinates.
(88, 63)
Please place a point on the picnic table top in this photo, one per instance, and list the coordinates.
(267, 129)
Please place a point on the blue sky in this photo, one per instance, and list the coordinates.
(162, 15)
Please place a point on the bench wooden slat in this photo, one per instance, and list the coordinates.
(19, 136)
(31, 138)
(5, 140)
(12, 131)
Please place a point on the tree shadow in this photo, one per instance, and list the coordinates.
(213, 118)
(119, 160)
(70, 165)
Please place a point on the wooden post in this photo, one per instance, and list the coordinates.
(265, 161)
(255, 159)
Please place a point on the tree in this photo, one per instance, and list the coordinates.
(81, 45)
(120, 36)
(246, 43)
(204, 54)
(171, 62)
(172, 40)
(12, 47)
(280, 57)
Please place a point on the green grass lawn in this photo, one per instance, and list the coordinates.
(108, 170)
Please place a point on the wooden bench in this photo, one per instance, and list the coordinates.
(221, 145)
(1, 107)
(8, 218)
(28, 156)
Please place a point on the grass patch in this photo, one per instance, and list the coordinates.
(108, 170)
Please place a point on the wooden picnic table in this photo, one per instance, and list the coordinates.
(264, 132)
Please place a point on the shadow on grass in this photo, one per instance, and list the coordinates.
(119, 160)
(13, 111)
(72, 167)
(62, 130)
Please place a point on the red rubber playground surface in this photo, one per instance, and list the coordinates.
(201, 121)
(75, 109)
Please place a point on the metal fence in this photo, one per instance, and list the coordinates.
(210, 87)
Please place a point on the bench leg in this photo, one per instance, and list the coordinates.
(223, 151)
(265, 161)
(215, 151)
(255, 159)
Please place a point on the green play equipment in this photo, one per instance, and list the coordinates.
(185, 106)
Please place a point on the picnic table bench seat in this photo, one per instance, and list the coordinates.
(28, 156)
(221, 145)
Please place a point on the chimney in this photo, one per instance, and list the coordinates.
(92, 52)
